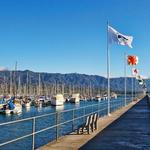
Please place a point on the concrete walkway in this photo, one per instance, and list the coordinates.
(130, 132)
(74, 141)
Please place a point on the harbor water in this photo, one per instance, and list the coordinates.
(49, 122)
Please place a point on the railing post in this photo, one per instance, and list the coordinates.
(98, 108)
(84, 114)
(92, 109)
(73, 120)
(33, 133)
(57, 130)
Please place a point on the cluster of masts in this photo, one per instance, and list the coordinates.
(14, 104)
(15, 94)
(15, 84)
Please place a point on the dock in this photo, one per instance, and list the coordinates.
(126, 128)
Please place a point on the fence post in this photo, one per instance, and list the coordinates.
(98, 109)
(57, 130)
(33, 133)
(73, 120)
(84, 114)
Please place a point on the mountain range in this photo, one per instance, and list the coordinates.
(117, 84)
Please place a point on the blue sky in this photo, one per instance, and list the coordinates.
(69, 36)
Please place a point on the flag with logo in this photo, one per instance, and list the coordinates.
(115, 37)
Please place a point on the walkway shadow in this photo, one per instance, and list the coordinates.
(130, 132)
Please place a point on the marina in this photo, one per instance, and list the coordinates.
(73, 75)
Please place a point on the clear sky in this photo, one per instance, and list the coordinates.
(68, 36)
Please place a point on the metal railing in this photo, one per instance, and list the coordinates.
(76, 115)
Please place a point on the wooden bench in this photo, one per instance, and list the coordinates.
(90, 124)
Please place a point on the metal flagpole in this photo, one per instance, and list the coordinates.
(132, 82)
(134, 87)
(108, 72)
(125, 78)
(134, 90)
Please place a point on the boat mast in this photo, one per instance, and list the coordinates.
(27, 84)
(19, 86)
(10, 84)
(4, 84)
(62, 88)
(15, 81)
(39, 93)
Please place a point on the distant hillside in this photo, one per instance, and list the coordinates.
(94, 81)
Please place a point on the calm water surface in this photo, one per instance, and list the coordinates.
(13, 131)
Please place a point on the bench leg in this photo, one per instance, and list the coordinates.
(88, 130)
(96, 126)
(82, 129)
(92, 127)
(78, 131)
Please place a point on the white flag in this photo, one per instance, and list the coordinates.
(115, 36)
(135, 71)
(140, 79)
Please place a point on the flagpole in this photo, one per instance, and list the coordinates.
(125, 78)
(108, 72)
(134, 88)
(132, 82)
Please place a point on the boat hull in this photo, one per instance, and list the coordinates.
(74, 100)
(57, 102)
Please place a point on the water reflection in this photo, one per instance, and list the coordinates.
(35, 111)
(59, 108)
(27, 109)
(39, 109)
(77, 105)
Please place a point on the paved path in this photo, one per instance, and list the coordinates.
(74, 141)
(130, 132)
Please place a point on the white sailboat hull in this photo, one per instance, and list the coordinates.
(17, 109)
(27, 104)
(57, 102)
(98, 99)
(74, 100)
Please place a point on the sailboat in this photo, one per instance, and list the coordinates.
(98, 97)
(18, 106)
(75, 98)
(27, 100)
(114, 95)
(41, 99)
(2, 102)
(13, 106)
